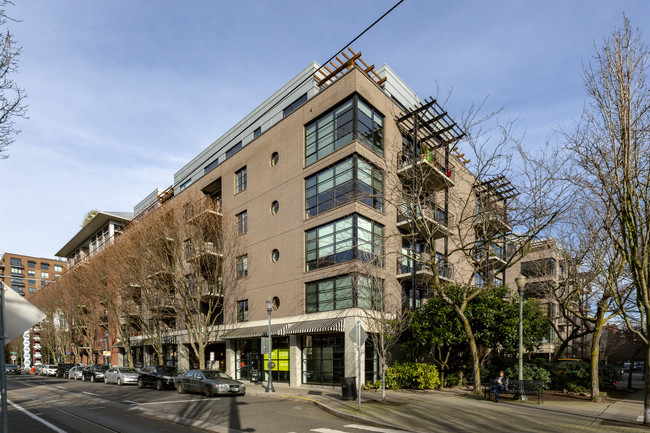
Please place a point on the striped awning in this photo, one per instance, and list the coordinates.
(313, 326)
(254, 331)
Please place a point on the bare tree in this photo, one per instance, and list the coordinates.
(611, 144)
(11, 95)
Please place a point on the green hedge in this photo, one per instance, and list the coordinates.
(411, 375)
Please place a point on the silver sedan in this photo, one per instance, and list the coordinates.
(121, 375)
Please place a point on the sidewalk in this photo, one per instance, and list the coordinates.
(459, 411)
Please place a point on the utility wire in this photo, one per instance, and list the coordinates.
(329, 60)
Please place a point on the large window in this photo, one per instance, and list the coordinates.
(350, 238)
(345, 291)
(323, 359)
(349, 180)
(16, 262)
(242, 223)
(240, 180)
(538, 268)
(242, 266)
(353, 119)
(242, 311)
(46, 266)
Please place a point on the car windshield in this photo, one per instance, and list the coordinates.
(101, 368)
(128, 370)
(210, 374)
(170, 370)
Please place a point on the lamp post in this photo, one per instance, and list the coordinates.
(521, 284)
(269, 386)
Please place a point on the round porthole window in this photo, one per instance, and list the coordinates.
(275, 256)
(274, 159)
(275, 206)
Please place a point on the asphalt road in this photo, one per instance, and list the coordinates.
(40, 404)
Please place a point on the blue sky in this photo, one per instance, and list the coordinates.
(123, 93)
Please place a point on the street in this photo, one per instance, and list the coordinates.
(43, 404)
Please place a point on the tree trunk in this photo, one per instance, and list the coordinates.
(646, 382)
(383, 382)
(473, 350)
(595, 357)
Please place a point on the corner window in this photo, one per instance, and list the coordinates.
(240, 180)
(344, 240)
(242, 266)
(242, 311)
(242, 223)
(353, 179)
(346, 291)
(353, 119)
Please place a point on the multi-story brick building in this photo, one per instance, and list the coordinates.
(316, 179)
(27, 275)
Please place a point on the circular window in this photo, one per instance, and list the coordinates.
(274, 159)
(275, 206)
(275, 256)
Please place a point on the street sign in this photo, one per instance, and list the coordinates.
(358, 335)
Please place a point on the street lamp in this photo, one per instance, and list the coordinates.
(269, 386)
(521, 284)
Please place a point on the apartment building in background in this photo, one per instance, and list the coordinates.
(316, 179)
(27, 275)
(548, 271)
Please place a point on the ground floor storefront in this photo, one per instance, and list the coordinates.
(320, 351)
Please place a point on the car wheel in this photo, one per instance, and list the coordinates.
(180, 388)
(92, 378)
(119, 381)
(207, 391)
(159, 385)
(140, 383)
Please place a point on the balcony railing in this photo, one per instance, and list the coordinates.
(430, 210)
(202, 208)
(405, 266)
(444, 172)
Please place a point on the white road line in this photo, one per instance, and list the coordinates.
(165, 402)
(41, 420)
(91, 393)
(61, 387)
(131, 402)
(640, 418)
(374, 429)
(28, 384)
(326, 430)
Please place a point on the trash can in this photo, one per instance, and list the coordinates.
(349, 388)
(255, 375)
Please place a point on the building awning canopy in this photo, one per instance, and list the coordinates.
(254, 331)
(313, 326)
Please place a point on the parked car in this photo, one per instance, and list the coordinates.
(208, 382)
(48, 370)
(62, 369)
(75, 372)
(94, 373)
(158, 376)
(121, 375)
(12, 369)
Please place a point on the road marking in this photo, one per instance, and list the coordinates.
(640, 418)
(28, 384)
(131, 402)
(91, 393)
(375, 429)
(41, 420)
(175, 401)
(61, 387)
(326, 430)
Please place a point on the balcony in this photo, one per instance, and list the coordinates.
(494, 257)
(436, 219)
(208, 253)
(429, 168)
(423, 270)
(205, 211)
(492, 221)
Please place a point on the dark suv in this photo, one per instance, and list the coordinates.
(62, 369)
(158, 376)
(94, 373)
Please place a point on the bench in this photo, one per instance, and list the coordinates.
(517, 388)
